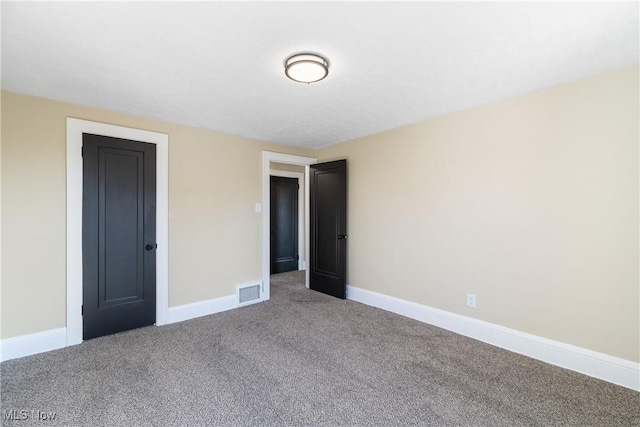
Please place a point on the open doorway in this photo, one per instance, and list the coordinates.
(285, 163)
(287, 218)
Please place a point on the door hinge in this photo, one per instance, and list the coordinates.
(82, 310)
(297, 257)
(82, 151)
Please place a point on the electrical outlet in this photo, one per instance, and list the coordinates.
(471, 300)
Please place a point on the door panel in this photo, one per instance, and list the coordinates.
(284, 224)
(328, 222)
(120, 234)
(119, 197)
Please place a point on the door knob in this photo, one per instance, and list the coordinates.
(342, 236)
(151, 247)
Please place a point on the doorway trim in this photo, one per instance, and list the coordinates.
(300, 177)
(75, 129)
(267, 158)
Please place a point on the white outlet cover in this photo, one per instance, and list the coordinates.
(471, 300)
(258, 207)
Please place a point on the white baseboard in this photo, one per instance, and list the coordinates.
(599, 365)
(26, 345)
(605, 367)
(202, 308)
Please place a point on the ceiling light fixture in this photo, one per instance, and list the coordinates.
(306, 68)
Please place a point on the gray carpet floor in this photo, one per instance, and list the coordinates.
(304, 359)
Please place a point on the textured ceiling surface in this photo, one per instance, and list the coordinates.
(219, 65)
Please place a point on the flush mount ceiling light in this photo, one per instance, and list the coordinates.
(306, 68)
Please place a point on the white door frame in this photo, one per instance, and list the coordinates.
(75, 129)
(267, 158)
(300, 177)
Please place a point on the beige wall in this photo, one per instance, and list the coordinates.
(215, 239)
(285, 167)
(530, 203)
(0, 213)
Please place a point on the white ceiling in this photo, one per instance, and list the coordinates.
(219, 65)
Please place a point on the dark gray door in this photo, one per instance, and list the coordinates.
(328, 228)
(118, 235)
(284, 224)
